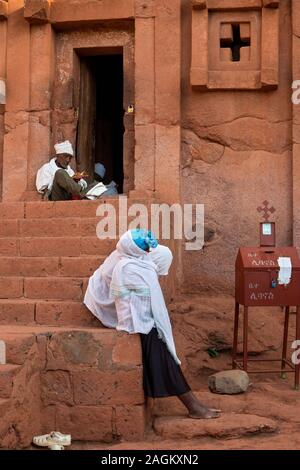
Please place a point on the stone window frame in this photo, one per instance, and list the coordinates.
(265, 77)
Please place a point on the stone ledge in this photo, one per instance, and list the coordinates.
(229, 425)
(233, 4)
(271, 3)
(91, 11)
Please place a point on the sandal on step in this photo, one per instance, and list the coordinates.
(54, 438)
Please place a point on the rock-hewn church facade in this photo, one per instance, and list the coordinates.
(184, 101)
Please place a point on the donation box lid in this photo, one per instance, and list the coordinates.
(263, 258)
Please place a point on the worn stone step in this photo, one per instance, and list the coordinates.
(11, 287)
(74, 208)
(107, 342)
(62, 209)
(9, 228)
(12, 210)
(7, 374)
(49, 266)
(229, 425)
(48, 288)
(45, 209)
(26, 266)
(45, 312)
(9, 246)
(51, 246)
(57, 227)
(52, 288)
(55, 288)
(64, 313)
(62, 246)
(82, 267)
(17, 311)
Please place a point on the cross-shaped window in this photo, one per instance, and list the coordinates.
(235, 41)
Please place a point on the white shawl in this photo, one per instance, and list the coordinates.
(45, 175)
(97, 297)
(122, 285)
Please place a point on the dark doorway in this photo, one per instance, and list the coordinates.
(100, 128)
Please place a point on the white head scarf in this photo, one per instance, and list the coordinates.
(64, 147)
(162, 257)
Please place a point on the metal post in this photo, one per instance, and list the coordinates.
(235, 334)
(297, 366)
(285, 339)
(245, 339)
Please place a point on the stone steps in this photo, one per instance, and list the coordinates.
(69, 227)
(64, 376)
(62, 209)
(44, 227)
(229, 425)
(48, 250)
(55, 246)
(65, 371)
(48, 288)
(45, 312)
(63, 266)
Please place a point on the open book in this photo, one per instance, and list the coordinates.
(96, 191)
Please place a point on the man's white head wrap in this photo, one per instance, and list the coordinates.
(64, 147)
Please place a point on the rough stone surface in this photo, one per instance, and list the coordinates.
(231, 425)
(229, 382)
(40, 389)
(37, 11)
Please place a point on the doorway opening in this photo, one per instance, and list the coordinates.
(100, 126)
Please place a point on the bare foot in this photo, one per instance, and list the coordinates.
(202, 412)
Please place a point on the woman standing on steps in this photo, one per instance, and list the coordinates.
(136, 305)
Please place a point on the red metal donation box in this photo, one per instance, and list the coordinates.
(267, 276)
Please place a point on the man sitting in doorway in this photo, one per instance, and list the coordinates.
(55, 179)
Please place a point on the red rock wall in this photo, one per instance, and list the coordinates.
(236, 153)
(236, 145)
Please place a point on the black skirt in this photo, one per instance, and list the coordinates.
(162, 377)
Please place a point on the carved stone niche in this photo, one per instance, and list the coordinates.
(3, 9)
(235, 44)
(37, 11)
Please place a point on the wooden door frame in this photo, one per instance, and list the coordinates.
(128, 98)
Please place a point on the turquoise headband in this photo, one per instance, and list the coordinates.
(144, 239)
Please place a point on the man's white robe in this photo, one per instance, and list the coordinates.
(45, 175)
